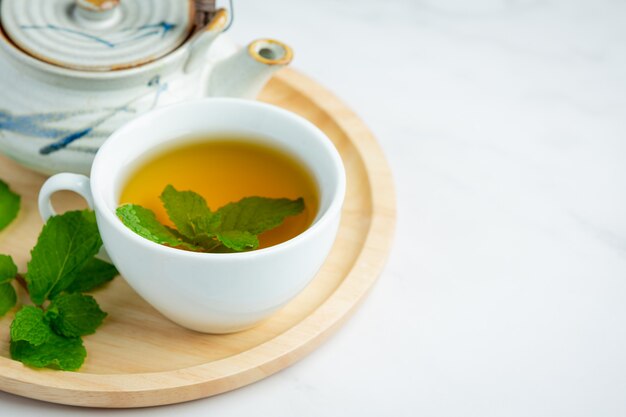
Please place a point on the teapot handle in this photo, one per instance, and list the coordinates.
(206, 11)
(202, 40)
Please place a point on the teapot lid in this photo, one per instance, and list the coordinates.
(97, 35)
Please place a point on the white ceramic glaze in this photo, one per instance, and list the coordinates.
(80, 35)
(240, 76)
(214, 293)
(54, 118)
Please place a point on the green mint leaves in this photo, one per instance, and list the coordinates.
(233, 228)
(144, 222)
(65, 245)
(9, 205)
(67, 354)
(74, 315)
(93, 275)
(237, 240)
(257, 214)
(61, 268)
(8, 269)
(8, 298)
(190, 213)
(35, 344)
(9, 208)
(29, 326)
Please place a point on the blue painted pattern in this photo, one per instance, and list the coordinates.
(124, 36)
(38, 125)
(42, 125)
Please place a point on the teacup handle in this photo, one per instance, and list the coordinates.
(66, 182)
(63, 182)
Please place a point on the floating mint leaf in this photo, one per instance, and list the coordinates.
(190, 213)
(8, 298)
(9, 205)
(66, 243)
(8, 270)
(243, 220)
(92, 276)
(73, 315)
(257, 214)
(238, 241)
(144, 222)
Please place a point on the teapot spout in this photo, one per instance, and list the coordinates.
(203, 40)
(244, 73)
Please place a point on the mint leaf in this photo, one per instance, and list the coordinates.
(258, 214)
(242, 221)
(35, 344)
(66, 243)
(9, 205)
(8, 269)
(58, 352)
(8, 298)
(238, 241)
(73, 315)
(190, 213)
(92, 276)
(29, 326)
(144, 222)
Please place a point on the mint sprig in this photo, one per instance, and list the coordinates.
(232, 228)
(62, 267)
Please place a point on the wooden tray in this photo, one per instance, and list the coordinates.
(138, 358)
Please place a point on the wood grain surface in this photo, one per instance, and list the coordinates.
(139, 358)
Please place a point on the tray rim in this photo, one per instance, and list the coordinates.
(211, 378)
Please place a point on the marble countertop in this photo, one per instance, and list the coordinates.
(504, 122)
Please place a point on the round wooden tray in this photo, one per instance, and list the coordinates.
(138, 358)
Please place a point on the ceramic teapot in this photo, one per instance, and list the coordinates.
(73, 71)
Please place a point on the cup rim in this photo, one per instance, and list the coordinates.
(333, 210)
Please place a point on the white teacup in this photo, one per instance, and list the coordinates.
(214, 293)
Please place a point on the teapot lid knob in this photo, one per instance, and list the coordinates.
(98, 5)
(92, 11)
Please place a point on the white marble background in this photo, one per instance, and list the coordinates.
(505, 125)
